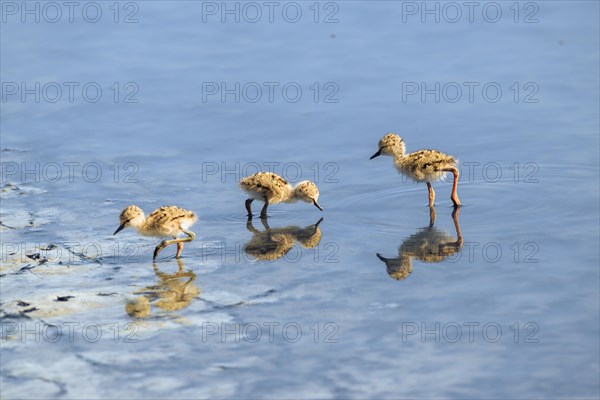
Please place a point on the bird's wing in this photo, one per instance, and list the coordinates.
(267, 184)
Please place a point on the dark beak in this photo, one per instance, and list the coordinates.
(119, 229)
(375, 155)
(317, 205)
(382, 258)
(316, 226)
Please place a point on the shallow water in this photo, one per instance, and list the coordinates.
(513, 314)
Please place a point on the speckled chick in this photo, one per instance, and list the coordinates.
(272, 244)
(162, 222)
(429, 245)
(272, 189)
(172, 292)
(421, 166)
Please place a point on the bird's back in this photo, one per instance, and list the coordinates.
(168, 221)
(266, 185)
(425, 165)
(430, 245)
(269, 245)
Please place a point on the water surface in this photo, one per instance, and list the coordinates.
(528, 264)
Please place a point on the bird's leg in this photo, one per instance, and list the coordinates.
(158, 248)
(190, 236)
(454, 196)
(179, 250)
(432, 216)
(455, 214)
(265, 223)
(263, 212)
(249, 207)
(251, 227)
(180, 264)
(431, 194)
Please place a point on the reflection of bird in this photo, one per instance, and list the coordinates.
(164, 221)
(272, 244)
(430, 245)
(273, 189)
(172, 292)
(421, 166)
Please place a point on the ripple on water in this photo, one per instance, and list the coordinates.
(278, 215)
(379, 210)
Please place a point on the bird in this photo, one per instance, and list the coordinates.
(272, 189)
(162, 222)
(421, 166)
(272, 244)
(172, 292)
(429, 245)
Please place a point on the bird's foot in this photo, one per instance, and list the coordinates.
(455, 200)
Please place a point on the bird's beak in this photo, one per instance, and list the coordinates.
(376, 154)
(316, 226)
(317, 205)
(119, 229)
(382, 258)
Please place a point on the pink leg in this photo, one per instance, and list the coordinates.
(455, 214)
(454, 196)
(431, 216)
(431, 194)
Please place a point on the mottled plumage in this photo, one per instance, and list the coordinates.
(272, 244)
(273, 189)
(163, 222)
(425, 165)
(267, 186)
(172, 292)
(421, 166)
(429, 245)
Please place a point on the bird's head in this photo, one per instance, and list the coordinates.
(389, 145)
(130, 216)
(307, 191)
(310, 236)
(397, 268)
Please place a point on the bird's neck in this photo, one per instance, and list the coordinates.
(406, 262)
(399, 158)
(397, 151)
(140, 223)
(291, 195)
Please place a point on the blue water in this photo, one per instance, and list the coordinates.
(528, 265)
